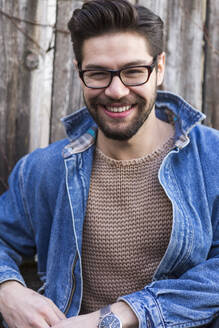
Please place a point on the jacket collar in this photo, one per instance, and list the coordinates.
(81, 128)
(170, 107)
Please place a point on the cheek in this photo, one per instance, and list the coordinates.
(141, 91)
(90, 93)
(146, 92)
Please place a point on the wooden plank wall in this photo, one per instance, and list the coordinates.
(26, 75)
(39, 85)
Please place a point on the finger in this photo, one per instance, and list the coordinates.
(41, 323)
(58, 312)
(52, 318)
(34, 321)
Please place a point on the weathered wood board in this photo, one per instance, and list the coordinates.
(183, 45)
(26, 70)
(67, 95)
(14, 84)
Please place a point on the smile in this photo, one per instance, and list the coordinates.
(118, 109)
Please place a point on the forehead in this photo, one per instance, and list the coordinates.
(115, 50)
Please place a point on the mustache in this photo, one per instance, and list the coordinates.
(138, 100)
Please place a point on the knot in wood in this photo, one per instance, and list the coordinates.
(32, 61)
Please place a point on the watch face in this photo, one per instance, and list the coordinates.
(110, 321)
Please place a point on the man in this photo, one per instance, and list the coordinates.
(139, 183)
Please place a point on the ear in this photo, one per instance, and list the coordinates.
(77, 70)
(75, 64)
(160, 68)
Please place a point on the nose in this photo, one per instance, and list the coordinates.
(116, 89)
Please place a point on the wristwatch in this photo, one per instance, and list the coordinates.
(108, 319)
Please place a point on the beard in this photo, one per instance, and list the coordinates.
(144, 108)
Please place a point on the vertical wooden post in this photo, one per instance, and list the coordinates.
(67, 95)
(15, 43)
(184, 46)
(26, 69)
(42, 76)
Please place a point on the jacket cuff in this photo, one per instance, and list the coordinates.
(145, 308)
(7, 273)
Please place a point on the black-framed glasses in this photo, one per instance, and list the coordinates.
(130, 76)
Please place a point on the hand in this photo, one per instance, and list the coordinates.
(21, 307)
(82, 321)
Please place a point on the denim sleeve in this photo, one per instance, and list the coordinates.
(16, 232)
(192, 300)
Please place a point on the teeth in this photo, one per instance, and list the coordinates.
(118, 109)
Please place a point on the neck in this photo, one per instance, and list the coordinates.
(153, 134)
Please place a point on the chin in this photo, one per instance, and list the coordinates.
(119, 135)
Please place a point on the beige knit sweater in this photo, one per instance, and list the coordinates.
(127, 227)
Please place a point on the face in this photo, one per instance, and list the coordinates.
(120, 111)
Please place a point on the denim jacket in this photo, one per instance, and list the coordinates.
(43, 211)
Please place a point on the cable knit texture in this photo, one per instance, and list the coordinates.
(127, 227)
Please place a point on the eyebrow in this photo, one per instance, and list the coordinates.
(133, 63)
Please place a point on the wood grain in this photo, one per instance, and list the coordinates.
(14, 86)
(67, 95)
(183, 45)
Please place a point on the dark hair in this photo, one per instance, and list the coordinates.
(97, 17)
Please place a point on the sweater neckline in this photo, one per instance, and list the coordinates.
(155, 155)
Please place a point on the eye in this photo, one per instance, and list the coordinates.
(96, 75)
(134, 71)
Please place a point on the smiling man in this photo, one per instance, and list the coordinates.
(120, 95)
(124, 214)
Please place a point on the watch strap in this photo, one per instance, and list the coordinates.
(105, 310)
